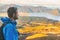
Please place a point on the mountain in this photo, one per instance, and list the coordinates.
(38, 9)
(38, 20)
(3, 8)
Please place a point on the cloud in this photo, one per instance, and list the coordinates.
(31, 2)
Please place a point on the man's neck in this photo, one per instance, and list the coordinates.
(12, 19)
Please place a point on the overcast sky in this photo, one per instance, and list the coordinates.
(50, 3)
(35, 2)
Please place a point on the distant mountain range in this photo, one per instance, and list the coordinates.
(3, 8)
(33, 9)
(29, 9)
(38, 19)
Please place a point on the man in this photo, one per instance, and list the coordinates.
(9, 30)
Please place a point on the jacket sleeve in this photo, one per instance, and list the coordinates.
(8, 32)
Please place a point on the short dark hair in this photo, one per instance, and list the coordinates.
(11, 11)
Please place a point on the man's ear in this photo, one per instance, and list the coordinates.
(13, 14)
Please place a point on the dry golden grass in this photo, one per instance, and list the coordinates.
(40, 31)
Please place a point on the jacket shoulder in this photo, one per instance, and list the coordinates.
(9, 25)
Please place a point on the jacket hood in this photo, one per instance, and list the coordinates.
(6, 19)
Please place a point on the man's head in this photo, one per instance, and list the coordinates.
(12, 13)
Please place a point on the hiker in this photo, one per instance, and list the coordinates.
(9, 29)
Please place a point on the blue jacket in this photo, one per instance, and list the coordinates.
(9, 31)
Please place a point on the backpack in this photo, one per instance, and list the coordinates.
(1, 31)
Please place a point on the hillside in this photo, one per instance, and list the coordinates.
(29, 19)
(39, 28)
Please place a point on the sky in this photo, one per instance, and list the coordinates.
(50, 3)
(31, 2)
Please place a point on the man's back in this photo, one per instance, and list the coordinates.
(9, 30)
